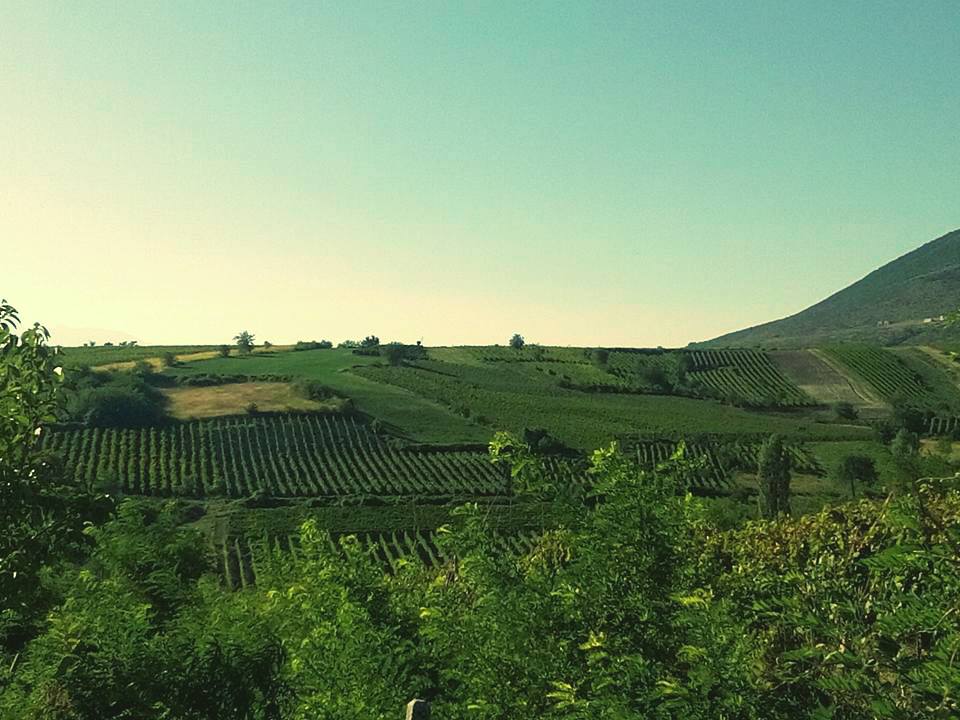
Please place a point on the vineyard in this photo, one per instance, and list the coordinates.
(944, 426)
(714, 460)
(281, 455)
(899, 377)
(241, 559)
(747, 377)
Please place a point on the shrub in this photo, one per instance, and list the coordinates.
(845, 411)
(117, 406)
(142, 368)
(313, 345)
(168, 359)
(517, 342)
(312, 390)
(223, 351)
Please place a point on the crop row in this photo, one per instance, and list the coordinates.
(714, 462)
(944, 426)
(748, 376)
(281, 455)
(886, 373)
(710, 471)
(241, 560)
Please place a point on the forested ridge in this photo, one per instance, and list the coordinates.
(631, 603)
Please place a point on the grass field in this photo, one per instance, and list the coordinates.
(121, 357)
(462, 394)
(513, 398)
(194, 403)
(404, 413)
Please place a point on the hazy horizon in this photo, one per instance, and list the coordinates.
(615, 174)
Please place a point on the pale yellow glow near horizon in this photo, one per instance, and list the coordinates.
(174, 173)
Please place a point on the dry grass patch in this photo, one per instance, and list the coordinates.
(235, 398)
(157, 363)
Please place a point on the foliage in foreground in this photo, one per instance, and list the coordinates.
(632, 607)
(635, 608)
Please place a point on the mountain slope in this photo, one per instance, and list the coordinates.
(888, 306)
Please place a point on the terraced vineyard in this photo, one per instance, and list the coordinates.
(895, 377)
(747, 376)
(242, 559)
(282, 455)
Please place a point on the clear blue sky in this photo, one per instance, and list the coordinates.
(584, 173)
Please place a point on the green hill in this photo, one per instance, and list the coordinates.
(889, 306)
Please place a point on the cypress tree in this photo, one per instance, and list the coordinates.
(773, 476)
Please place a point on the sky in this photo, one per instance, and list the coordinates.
(620, 174)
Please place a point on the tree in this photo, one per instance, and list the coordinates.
(845, 411)
(168, 359)
(773, 476)
(517, 342)
(370, 341)
(394, 352)
(857, 468)
(905, 449)
(267, 344)
(41, 513)
(244, 341)
(223, 351)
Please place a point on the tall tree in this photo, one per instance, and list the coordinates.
(857, 468)
(773, 475)
(41, 514)
(244, 341)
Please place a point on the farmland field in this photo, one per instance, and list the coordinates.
(281, 455)
(241, 559)
(404, 413)
(748, 375)
(516, 397)
(905, 376)
(194, 403)
(109, 355)
(819, 380)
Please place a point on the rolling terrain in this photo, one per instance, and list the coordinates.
(887, 307)
(392, 448)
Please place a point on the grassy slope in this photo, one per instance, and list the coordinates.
(405, 413)
(420, 403)
(77, 356)
(517, 395)
(923, 283)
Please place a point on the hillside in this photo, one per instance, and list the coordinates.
(888, 306)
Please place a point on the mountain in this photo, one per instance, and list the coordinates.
(889, 306)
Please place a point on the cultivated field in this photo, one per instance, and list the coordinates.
(196, 403)
(283, 456)
(904, 376)
(820, 380)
